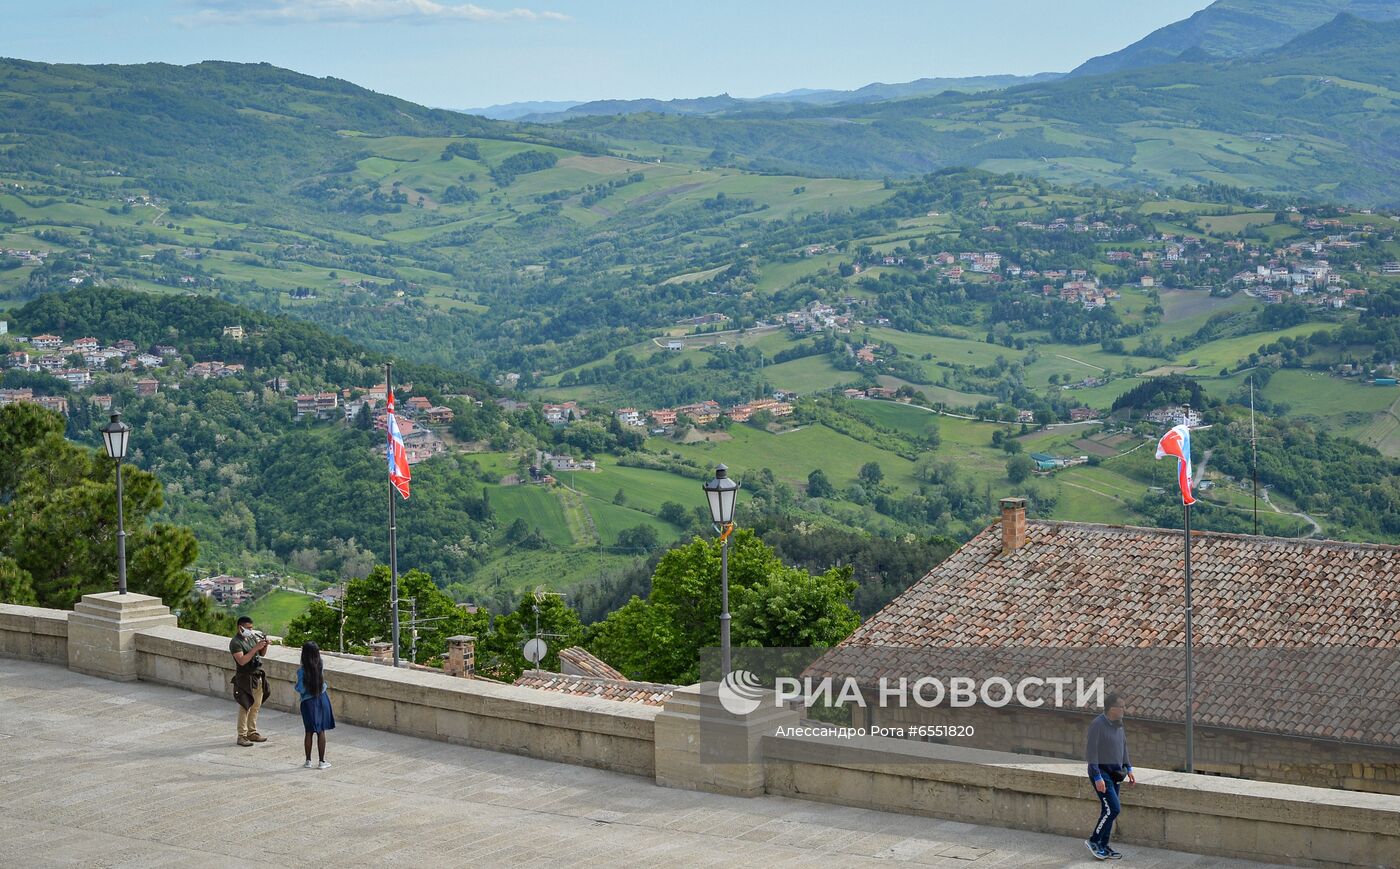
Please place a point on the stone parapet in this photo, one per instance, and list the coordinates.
(702, 746)
(1280, 823)
(580, 730)
(102, 632)
(32, 633)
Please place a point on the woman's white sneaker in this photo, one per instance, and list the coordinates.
(324, 765)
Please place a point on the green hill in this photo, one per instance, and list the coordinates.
(1234, 28)
(1317, 119)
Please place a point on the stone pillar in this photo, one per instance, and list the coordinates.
(702, 746)
(102, 632)
(461, 656)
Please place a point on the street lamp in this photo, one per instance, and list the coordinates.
(115, 435)
(721, 492)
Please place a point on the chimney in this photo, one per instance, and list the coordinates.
(461, 657)
(381, 653)
(1013, 524)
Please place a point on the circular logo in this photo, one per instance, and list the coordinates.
(740, 692)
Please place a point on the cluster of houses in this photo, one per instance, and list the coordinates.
(26, 255)
(817, 317)
(706, 412)
(1382, 374)
(52, 355)
(1302, 269)
(1174, 414)
(55, 403)
(1082, 290)
(1079, 224)
(870, 392)
(226, 590)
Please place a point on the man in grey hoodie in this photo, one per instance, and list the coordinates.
(1106, 751)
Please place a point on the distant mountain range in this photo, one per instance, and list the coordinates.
(514, 111)
(1235, 28)
(1224, 30)
(1319, 115)
(553, 112)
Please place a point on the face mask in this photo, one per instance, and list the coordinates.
(247, 632)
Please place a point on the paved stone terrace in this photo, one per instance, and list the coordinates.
(100, 773)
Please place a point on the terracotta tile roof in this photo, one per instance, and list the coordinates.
(650, 693)
(577, 661)
(1292, 636)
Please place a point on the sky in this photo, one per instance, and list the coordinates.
(454, 54)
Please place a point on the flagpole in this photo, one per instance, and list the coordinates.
(1190, 637)
(393, 534)
(1190, 634)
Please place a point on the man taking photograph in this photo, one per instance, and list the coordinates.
(249, 683)
(1107, 753)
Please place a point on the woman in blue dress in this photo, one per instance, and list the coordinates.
(315, 703)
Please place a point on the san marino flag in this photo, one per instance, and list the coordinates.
(1177, 443)
(399, 474)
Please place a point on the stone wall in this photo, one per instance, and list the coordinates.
(1205, 814)
(32, 633)
(1221, 752)
(584, 731)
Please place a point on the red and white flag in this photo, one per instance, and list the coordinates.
(399, 474)
(1177, 443)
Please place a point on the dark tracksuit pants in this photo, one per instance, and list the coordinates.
(1109, 807)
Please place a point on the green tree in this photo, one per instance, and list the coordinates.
(792, 608)
(368, 616)
(500, 655)
(1018, 469)
(818, 486)
(659, 638)
(674, 513)
(199, 614)
(871, 474)
(58, 523)
(639, 538)
(16, 586)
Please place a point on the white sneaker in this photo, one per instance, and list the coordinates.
(324, 765)
(309, 764)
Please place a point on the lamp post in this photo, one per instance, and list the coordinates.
(721, 492)
(115, 435)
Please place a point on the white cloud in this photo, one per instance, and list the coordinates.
(352, 12)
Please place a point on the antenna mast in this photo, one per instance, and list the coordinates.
(1254, 449)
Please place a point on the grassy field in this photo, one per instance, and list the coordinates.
(1214, 355)
(537, 506)
(273, 611)
(1317, 393)
(551, 569)
(794, 455)
(903, 418)
(808, 374)
(643, 489)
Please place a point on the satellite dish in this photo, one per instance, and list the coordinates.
(534, 651)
